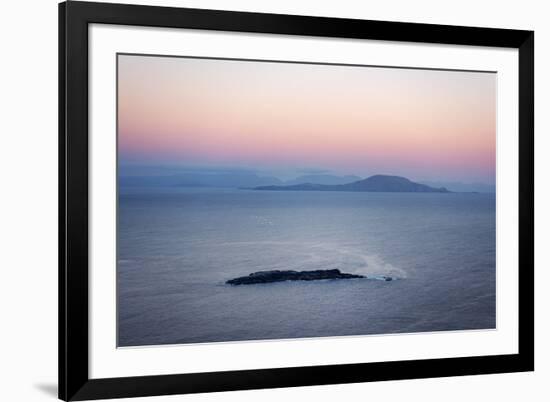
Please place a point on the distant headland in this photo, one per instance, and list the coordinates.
(376, 183)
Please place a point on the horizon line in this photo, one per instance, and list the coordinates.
(266, 174)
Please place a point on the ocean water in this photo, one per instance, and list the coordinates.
(178, 246)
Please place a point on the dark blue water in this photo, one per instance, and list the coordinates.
(177, 247)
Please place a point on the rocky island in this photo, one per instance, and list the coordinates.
(280, 276)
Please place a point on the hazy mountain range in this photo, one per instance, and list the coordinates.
(229, 179)
(236, 179)
(376, 183)
(160, 176)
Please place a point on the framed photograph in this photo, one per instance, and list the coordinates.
(257, 200)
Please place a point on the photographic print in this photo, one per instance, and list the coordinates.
(262, 200)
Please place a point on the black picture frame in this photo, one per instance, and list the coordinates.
(74, 381)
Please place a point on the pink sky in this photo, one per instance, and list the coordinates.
(422, 124)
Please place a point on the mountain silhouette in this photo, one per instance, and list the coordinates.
(376, 183)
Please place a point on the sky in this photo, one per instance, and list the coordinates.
(282, 117)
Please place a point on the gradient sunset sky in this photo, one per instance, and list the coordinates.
(280, 117)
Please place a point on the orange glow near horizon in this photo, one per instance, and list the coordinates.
(422, 124)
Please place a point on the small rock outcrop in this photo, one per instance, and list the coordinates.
(280, 276)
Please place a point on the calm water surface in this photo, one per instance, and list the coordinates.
(177, 247)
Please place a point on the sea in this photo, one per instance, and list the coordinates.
(176, 248)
